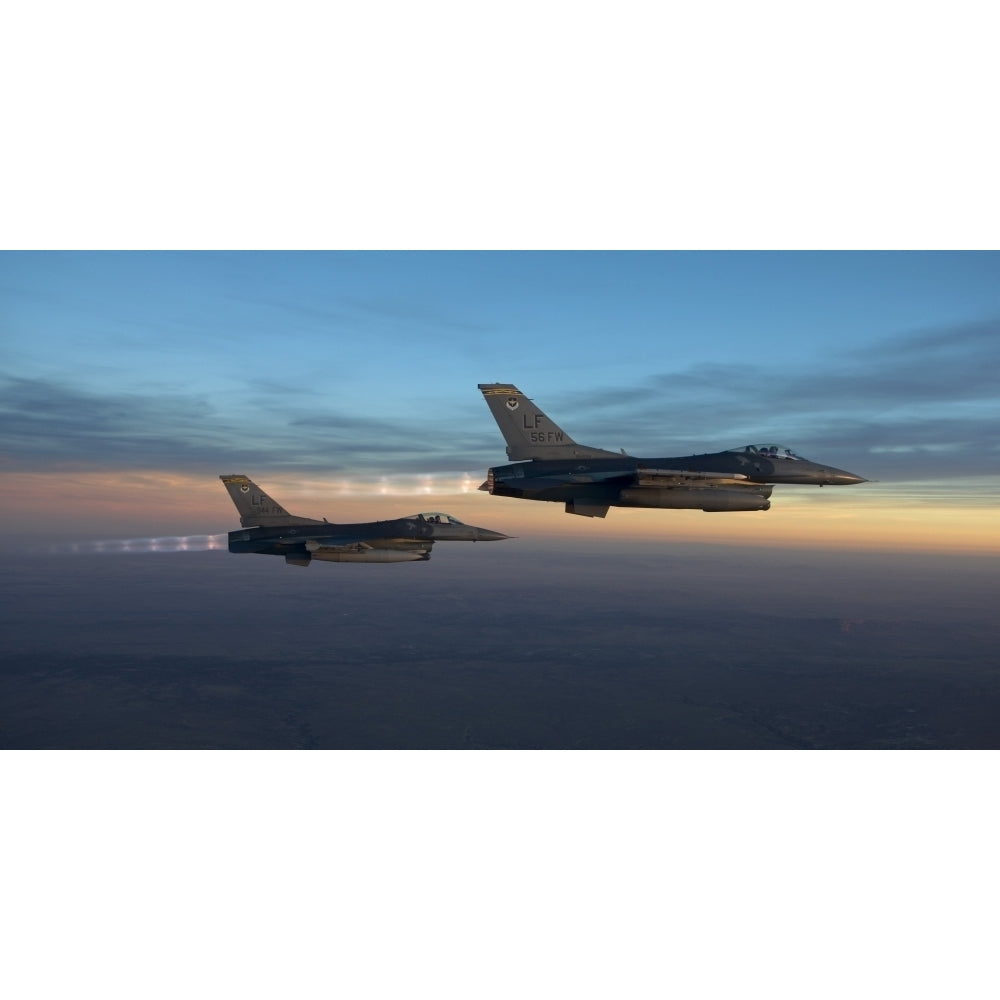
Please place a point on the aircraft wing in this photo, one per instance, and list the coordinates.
(337, 545)
(663, 478)
(347, 545)
(625, 475)
(666, 478)
(371, 550)
(340, 544)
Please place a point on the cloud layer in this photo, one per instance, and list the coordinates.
(924, 405)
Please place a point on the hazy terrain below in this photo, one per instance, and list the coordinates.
(524, 645)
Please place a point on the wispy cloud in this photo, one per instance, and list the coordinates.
(930, 394)
(921, 405)
(45, 422)
(48, 424)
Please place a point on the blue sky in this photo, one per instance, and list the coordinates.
(887, 364)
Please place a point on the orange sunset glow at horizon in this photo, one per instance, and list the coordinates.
(871, 517)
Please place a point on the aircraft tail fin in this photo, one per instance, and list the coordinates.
(255, 507)
(529, 433)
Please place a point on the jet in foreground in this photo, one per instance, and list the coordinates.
(269, 529)
(552, 466)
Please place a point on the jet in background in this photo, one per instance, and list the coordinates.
(269, 529)
(552, 466)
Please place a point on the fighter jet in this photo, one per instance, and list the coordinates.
(550, 465)
(269, 529)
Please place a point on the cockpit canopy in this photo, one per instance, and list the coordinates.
(436, 517)
(767, 451)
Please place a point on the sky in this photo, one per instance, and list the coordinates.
(345, 383)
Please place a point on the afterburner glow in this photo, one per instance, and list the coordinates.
(128, 546)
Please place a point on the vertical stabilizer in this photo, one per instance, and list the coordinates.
(255, 507)
(529, 433)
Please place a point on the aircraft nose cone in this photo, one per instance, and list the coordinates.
(485, 535)
(837, 477)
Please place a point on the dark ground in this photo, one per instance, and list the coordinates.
(607, 647)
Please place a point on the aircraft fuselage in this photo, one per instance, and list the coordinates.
(281, 539)
(549, 465)
(729, 480)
